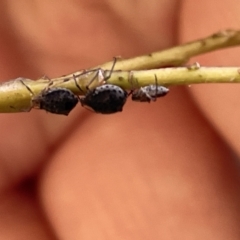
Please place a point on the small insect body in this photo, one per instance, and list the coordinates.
(105, 99)
(149, 93)
(56, 100)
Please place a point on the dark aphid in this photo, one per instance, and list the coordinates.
(54, 100)
(105, 99)
(149, 93)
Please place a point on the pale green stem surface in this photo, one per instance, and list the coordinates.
(179, 55)
(20, 100)
(15, 97)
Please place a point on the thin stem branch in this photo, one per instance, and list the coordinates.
(177, 76)
(20, 100)
(15, 97)
(178, 55)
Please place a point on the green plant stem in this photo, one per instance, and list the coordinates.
(175, 76)
(15, 97)
(178, 55)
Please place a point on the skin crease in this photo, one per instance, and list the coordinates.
(156, 171)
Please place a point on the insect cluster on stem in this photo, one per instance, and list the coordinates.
(104, 99)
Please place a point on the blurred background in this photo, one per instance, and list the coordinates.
(165, 170)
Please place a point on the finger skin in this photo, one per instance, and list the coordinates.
(157, 171)
(56, 39)
(42, 38)
(164, 174)
(218, 102)
(22, 218)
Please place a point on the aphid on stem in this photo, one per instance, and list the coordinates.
(149, 93)
(105, 99)
(54, 100)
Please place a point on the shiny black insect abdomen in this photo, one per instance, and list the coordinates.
(105, 99)
(56, 100)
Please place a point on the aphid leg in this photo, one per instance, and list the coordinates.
(130, 80)
(150, 97)
(45, 77)
(148, 94)
(111, 70)
(156, 86)
(98, 75)
(27, 87)
(77, 85)
(102, 78)
(84, 72)
(50, 84)
(31, 93)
